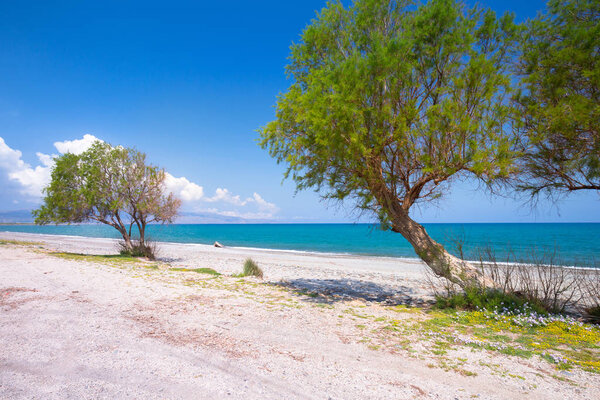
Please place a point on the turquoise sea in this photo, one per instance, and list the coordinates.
(575, 243)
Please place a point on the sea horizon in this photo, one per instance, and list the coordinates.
(564, 243)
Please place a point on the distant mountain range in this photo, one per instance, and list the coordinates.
(25, 217)
(188, 217)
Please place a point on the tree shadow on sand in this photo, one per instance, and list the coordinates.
(330, 291)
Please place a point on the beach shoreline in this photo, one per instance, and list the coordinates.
(397, 280)
(400, 261)
(108, 245)
(251, 248)
(566, 244)
(75, 324)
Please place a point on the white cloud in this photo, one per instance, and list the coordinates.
(194, 198)
(9, 158)
(33, 179)
(183, 188)
(76, 146)
(225, 196)
(238, 214)
(264, 205)
(45, 159)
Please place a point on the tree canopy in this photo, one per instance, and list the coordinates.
(391, 101)
(559, 104)
(109, 185)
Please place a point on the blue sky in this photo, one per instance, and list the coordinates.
(188, 84)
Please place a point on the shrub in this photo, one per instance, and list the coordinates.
(147, 249)
(593, 314)
(251, 269)
(591, 287)
(540, 281)
(476, 298)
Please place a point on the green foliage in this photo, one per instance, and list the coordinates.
(138, 249)
(110, 185)
(102, 258)
(390, 102)
(134, 252)
(19, 242)
(251, 269)
(208, 271)
(558, 107)
(476, 298)
(563, 341)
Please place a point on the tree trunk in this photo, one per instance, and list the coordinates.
(127, 240)
(117, 223)
(435, 255)
(142, 229)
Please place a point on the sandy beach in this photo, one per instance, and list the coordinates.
(73, 327)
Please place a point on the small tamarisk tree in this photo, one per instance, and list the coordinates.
(110, 185)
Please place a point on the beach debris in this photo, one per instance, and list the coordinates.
(217, 244)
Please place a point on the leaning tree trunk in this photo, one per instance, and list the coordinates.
(118, 224)
(126, 238)
(435, 255)
(127, 241)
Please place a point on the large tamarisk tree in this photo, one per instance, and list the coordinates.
(391, 102)
(109, 185)
(558, 106)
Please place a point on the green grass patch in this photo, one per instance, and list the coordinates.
(465, 372)
(208, 271)
(251, 268)
(561, 341)
(102, 258)
(488, 299)
(19, 242)
(406, 309)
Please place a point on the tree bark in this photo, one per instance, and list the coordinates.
(435, 255)
(141, 225)
(142, 229)
(127, 240)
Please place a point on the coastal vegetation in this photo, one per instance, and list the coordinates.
(392, 102)
(108, 259)
(19, 242)
(251, 268)
(562, 341)
(558, 103)
(208, 271)
(541, 280)
(109, 185)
